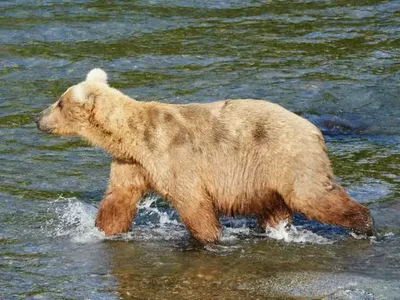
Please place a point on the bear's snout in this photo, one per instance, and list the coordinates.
(35, 119)
(40, 121)
(40, 126)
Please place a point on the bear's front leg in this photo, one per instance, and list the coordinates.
(118, 208)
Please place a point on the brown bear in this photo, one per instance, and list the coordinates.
(234, 157)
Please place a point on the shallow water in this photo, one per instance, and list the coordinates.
(333, 62)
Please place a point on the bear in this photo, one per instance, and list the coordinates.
(242, 157)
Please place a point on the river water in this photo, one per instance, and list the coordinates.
(336, 63)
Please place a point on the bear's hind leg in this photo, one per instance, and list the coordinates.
(336, 208)
(118, 208)
(273, 219)
(200, 219)
(274, 212)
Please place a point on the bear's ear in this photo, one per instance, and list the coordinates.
(79, 92)
(97, 75)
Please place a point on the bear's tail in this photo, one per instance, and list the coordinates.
(336, 208)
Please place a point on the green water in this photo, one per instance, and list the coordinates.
(337, 63)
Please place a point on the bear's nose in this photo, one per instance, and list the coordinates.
(35, 118)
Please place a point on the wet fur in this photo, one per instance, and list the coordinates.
(235, 157)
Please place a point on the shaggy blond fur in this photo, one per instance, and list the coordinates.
(233, 157)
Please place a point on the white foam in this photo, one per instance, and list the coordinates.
(291, 234)
(164, 218)
(73, 219)
(161, 224)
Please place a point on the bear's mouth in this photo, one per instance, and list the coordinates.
(42, 127)
(45, 130)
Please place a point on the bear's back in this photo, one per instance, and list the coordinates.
(245, 122)
(239, 145)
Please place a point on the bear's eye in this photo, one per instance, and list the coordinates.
(60, 105)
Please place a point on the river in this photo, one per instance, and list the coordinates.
(336, 63)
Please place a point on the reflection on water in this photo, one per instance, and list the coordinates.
(335, 63)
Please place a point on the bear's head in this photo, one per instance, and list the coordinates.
(70, 114)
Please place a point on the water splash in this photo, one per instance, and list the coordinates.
(230, 234)
(293, 234)
(156, 221)
(74, 219)
(164, 217)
